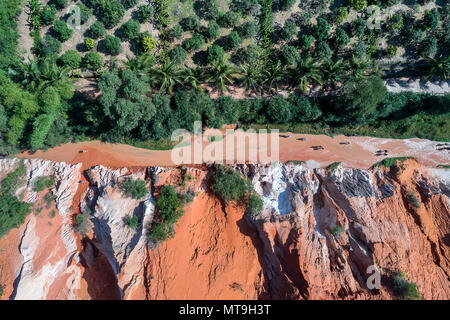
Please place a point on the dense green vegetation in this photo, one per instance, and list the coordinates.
(159, 87)
(132, 222)
(134, 188)
(43, 182)
(12, 211)
(231, 185)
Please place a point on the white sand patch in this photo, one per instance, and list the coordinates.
(441, 174)
(401, 85)
(312, 164)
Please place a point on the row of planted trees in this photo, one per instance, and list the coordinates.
(271, 75)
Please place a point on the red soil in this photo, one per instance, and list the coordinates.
(360, 153)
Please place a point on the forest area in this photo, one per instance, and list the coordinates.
(180, 52)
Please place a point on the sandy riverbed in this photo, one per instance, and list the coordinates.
(360, 153)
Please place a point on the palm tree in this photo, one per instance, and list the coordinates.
(437, 67)
(252, 77)
(221, 73)
(274, 74)
(140, 63)
(333, 72)
(38, 74)
(305, 73)
(192, 77)
(166, 76)
(359, 68)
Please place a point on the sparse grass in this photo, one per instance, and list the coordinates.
(185, 7)
(412, 199)
(49, 198)
(163, 144)
(1, 290)
(52, 214)
(404, 289)
(296, 162)
(332, 167)
(424, 126)
(38, 210)
(83, 224)
(443, 166)
(389, 162)
(187, 177)
(337, 230)
(187, 197)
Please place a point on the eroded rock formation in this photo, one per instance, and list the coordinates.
(316, 237)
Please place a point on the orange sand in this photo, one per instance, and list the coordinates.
(360, 153)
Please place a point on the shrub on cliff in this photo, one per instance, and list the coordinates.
(412, 199)
(12, 210)
(169, 205)
(12, 213)
(390, 162)
(231, 185)
(404, 289)
(83, 224)
(228, 184)
(43, 182)
(170, 210)
(132, 222)
(337, 230)
(12, 181)
(134, 188)
(332, 167)
(254, 205)
(161, 232)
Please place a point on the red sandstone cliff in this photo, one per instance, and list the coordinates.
(290, 251)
